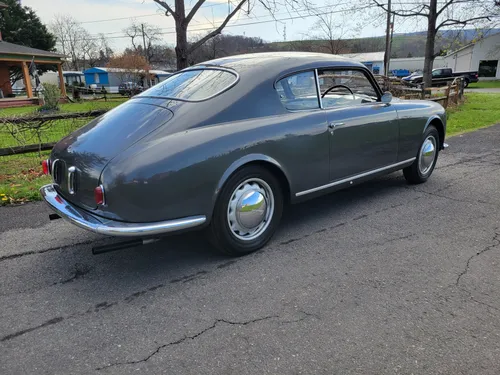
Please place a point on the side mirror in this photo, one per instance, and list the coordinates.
(387, 97)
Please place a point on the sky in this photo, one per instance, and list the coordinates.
(100, 16)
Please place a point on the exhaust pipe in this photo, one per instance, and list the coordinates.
(122, 245)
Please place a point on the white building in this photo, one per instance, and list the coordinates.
(375, 62)
(482, 56)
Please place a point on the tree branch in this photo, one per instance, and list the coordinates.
(407, 13)
(217, 30)
(451, 22)
(193, 11)
(167, 7)
(448, 3)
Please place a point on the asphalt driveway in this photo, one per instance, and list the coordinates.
(384, 278)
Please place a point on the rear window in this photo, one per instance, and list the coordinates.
(193, 85)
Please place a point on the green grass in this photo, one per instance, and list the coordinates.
(479, 110)
(485, 85)
(21, 177)
(84, 106)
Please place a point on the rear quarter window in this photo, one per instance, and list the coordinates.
(194, 85)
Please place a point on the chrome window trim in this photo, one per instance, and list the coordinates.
(352, 178)
(319, 108)
(318, 92)
(233, 72)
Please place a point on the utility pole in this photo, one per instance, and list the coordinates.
(145, 54)
(390, 43)
(387, 54)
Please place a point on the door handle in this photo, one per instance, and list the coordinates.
(333, 125)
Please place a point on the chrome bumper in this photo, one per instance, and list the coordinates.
(86, 220)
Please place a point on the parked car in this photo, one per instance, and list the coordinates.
(129, 88)
(225, 144)
(441, 76)
(413, 74)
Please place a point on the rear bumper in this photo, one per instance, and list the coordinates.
(86, 220)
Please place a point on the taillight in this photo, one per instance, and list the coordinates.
(46, 166)
(99, 195)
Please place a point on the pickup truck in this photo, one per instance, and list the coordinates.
(442, 76)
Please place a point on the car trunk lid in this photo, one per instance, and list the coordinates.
(90, 148)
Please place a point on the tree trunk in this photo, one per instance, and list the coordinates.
(429, 44)
(181, 48)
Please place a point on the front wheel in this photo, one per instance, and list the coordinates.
(247, 212)
(424, 164)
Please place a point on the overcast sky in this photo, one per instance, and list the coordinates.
(146, 11)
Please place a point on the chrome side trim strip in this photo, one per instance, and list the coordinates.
(86, 220)
(352, 178)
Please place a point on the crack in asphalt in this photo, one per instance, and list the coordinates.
(185, 338)
(496, 240)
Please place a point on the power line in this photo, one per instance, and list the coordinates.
(253, 23)
(145, 15)
(260, 16)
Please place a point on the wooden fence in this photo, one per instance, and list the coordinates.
(453, 92)
(20, 132)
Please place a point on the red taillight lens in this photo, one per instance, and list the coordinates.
(99, 195)
(45, 166)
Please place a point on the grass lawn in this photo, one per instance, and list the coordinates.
(478, 111)
(484, 85)
(84, 106)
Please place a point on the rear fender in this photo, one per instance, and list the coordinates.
(247, 159)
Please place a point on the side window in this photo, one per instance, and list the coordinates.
(437, 72)
(345, 87)
(298, 91)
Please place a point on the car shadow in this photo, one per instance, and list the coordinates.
(121, 276)
(192, 250)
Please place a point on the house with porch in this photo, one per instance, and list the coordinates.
(17, 56)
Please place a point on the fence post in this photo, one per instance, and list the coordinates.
(447, 94)
(462, 83)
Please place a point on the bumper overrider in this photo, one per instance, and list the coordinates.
(86, 220)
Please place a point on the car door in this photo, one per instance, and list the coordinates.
(363, 130)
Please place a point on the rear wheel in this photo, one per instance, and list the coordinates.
(247, 211)
(424, 164)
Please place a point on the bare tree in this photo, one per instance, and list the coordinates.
(142, 37)
(69, 35)
(331, 29)
(182, 21)
(92, 49)
(449, 13)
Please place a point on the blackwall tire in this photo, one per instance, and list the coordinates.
(427, 156)
(247, 212)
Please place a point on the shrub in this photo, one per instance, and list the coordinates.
(51, 96)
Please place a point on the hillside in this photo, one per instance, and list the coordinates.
(403, 45)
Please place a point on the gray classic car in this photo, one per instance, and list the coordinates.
(225, 144)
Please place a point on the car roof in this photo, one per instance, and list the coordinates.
(280, 63)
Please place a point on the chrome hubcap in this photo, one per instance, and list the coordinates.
(250, 209)
(427, 155)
